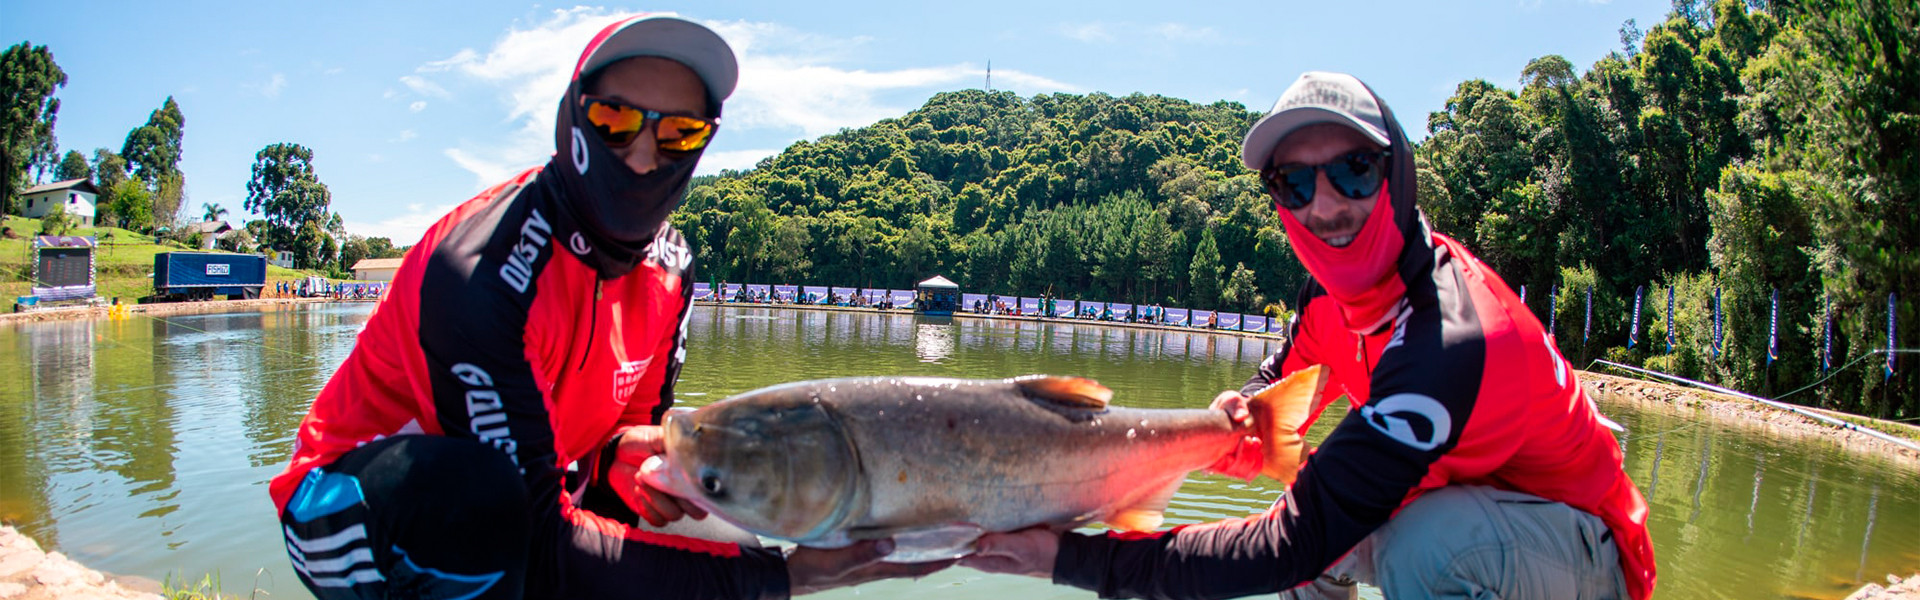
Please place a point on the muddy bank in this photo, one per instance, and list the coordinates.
(27, 573)
(1697, 403)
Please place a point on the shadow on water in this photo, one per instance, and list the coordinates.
(143, 446)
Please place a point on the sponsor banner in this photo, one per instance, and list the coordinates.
(1254, 323)
(730, 291)
(1633, 330)
(702, 291)
(973, 302)
(1119, 310)
(1177, 317)
(759, 290)
(1029, 306)
(1277, 326)
(1773, 328)
(813, 294)
(845, 293)
(1586, 328)
(1229, 320)
(1826, 333)
(786, 293)
(1064, 308)
(901, 298)
(1669, 319)
(1719, 324)
(1200, 318)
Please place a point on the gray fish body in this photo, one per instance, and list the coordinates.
(931, 462)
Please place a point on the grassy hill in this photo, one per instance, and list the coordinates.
(123, 264)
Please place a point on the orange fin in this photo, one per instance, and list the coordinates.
(1148, 514)
(1278, 411)
(1071, 391)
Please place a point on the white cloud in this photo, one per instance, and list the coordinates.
(1178, 32)
(405, 134)
(424, 87)
(1087, 32)
(790, 81)
(417, 106)
(405, 229)
(712, 162)
(272, 87)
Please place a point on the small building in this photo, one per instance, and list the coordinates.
(376, 269)
(78, 196)
(279, 258)
(210, 232)
(936, 296)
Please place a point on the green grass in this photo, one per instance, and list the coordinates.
(208, 588)
(123, 263)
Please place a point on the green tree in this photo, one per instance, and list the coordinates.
(1204, 277)
(287, 193)
(73, 166)
(28, 79)
(130, 203)
(56, 221)
(152, 151)
(1240, 294)
(213, 212)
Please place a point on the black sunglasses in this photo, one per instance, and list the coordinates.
(1355, 175)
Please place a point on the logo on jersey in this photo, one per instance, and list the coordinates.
(670, 251)
(518, 270)
(486, 413)
(578, 243)
(579, 151)
(1416, 420)
(628, 376)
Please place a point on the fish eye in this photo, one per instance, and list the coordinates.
(710, 483)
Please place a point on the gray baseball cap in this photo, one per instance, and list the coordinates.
(1317, 97)
(668, 36)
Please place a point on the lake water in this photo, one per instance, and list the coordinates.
(143, 447)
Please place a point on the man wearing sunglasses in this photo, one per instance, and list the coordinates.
(484, 437)
(1470, 464)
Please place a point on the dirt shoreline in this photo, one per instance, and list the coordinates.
(1759, 417)
(69, 313)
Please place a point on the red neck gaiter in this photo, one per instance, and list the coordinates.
(1361, 277)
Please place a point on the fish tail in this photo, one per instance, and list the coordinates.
(1279, 410)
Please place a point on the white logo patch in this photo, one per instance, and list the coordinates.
(578, 243)
(579, 151)
(1415, 420)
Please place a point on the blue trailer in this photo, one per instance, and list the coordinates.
(203, 275)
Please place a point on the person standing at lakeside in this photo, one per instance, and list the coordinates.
(1471, 465)
(485, 435)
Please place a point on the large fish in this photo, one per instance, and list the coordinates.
(933, 463)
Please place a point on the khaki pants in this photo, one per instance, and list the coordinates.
(1480, 542)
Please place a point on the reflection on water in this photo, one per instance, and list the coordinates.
(143, 446)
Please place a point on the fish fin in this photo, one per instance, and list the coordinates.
(1071, 391)
(1149, 513)
(1278, 412)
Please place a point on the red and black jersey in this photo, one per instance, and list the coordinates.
(504, 326)
(1464, 387)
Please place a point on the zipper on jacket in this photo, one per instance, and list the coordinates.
(593, 324)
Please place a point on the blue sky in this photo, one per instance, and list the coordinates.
(412, 107)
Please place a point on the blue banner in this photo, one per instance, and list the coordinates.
(976, 303)
(1633, 331)
(1669, 319)
(1890, 338)
(786, 293)
(1254, 323)
(1064, 308)
(1717, 324)
(1523, 293)
(1553, 310)
(901, 298)
(1773, 329)
(1203, 318)
(813, 294)
(1586, 329)
(1029, 306)
(1826, 334)
(1229, 320)
(1177, 317)
(702, 291)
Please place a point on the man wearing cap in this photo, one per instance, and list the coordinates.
(484, 437)
(1471, 463)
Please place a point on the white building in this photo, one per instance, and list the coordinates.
(376, 269)
(78, 195)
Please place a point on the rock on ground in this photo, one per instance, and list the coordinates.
(1896, 589)
(26, 573)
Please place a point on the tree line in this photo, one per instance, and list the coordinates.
(1743, 147)
(141, 188)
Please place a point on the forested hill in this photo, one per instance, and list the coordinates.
(1130, 199)
(1732, 158)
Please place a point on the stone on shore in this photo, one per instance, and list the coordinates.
(1897, 589)
(27, 573)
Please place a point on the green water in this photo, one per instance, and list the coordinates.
(143, 447)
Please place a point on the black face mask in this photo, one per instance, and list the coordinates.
(616, 207)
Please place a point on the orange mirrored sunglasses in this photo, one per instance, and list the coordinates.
(619, 123)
